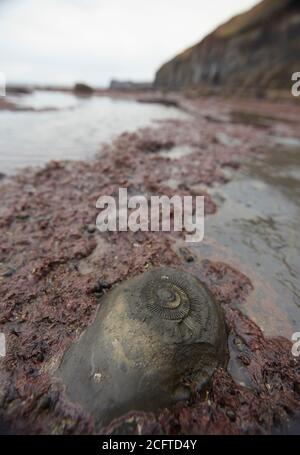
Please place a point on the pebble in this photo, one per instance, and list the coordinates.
(9, 272)
(91, 228)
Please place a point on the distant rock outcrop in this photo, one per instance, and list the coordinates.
(129, 85)
(255, 51)
(81, 89)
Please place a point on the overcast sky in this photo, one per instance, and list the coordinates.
(63, 41)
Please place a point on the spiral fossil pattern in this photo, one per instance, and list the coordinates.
(169, 296)
(169, 299)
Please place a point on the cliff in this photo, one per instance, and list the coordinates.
(254, 51)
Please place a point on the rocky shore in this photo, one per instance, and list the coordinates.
(254, 53)
(55, 267)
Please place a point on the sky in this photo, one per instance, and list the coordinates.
(66, 41)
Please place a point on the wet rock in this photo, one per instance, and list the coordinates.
(187, 255)
(153, 146)
(48, 401)
(83, 89)
(156, 339)
(20, 89)
(100, 287)
(91, 228)
(231, 415)
(9, 272)
(164, 101)
(22, 216)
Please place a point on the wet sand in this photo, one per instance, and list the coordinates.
(243, 156)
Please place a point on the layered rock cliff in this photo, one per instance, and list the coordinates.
(255, 51)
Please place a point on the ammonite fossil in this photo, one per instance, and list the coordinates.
(156, 339)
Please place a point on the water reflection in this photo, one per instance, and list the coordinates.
(74, 131)
(256, 229)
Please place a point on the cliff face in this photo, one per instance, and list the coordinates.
(254, 51)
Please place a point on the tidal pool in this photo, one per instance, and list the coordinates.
(256, 230)
(64, 126)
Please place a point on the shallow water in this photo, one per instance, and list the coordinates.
(69, 127)
(256, 230)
